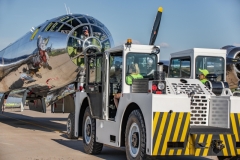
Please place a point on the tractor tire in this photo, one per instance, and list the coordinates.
(71, 126)
(135, 136)
(228, 158)
(89, 134)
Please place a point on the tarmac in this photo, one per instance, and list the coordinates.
(31, 135)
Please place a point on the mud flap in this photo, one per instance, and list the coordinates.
(63, 105)
(38, 105)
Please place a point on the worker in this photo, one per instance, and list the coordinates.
(202, 75)
(134, 74)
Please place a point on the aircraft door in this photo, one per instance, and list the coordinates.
(94, 84)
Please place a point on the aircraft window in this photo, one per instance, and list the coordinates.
(34, 33)
(73, 22)
(180, 67)
(106, 45)
(65, 29)
(91, 20)
(214, 65)
(74, 49)
(47, 28)
(106, 30)
(65, 18)
(99, 23)
(98, 33)
(55, 26)
(81, 34)
(83, 19)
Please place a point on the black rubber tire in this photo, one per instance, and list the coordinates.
(70, 130)
(136, 117)
(228, 158)
(93, 147)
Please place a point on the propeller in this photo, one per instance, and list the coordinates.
(156, 26)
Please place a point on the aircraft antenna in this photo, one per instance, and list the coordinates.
(69, 10)
(66, 8)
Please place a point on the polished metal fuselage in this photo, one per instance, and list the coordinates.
(46, 58)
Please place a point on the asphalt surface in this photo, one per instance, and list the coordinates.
(30, 135)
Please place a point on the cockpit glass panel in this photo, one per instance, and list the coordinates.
(99, 24)
(73, 22)
(214, 65)
(91, 19)
(64, 18)
(106, 45)
(98, 33)
(74, 49)
(83, 32)
(141, 63)
(55, 26)
(64, 29)
(83, 19)
(47, 28)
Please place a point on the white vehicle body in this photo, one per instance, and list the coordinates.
(184, 118)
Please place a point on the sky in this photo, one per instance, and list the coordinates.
(185, 24)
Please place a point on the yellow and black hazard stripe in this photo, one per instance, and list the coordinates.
(235, 125)
(201, 144)
(170, 127)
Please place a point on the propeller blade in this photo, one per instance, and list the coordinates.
(156, 26)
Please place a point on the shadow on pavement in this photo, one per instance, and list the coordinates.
(108, 153)
(46, 124)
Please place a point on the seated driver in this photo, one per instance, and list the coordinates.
(134, 74)
(202, 75)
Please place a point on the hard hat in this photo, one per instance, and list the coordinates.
(204, 71)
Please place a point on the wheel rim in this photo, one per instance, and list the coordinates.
(68, 126)
(87, 130)
(134, 140)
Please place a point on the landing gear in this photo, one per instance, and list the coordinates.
(89, 134)
(71, 126)
(135, 136)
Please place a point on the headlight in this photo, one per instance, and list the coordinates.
(161, 85)
(156, 50)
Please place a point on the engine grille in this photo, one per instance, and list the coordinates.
(199, 111)
(186, 88)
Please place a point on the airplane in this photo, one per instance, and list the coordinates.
(44, 65)
(49, 58)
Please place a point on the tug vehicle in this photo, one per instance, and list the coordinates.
(156, 116)
(186, 64)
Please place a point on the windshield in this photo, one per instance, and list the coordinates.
(214, 65)
(146, 64)
(180, 67)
